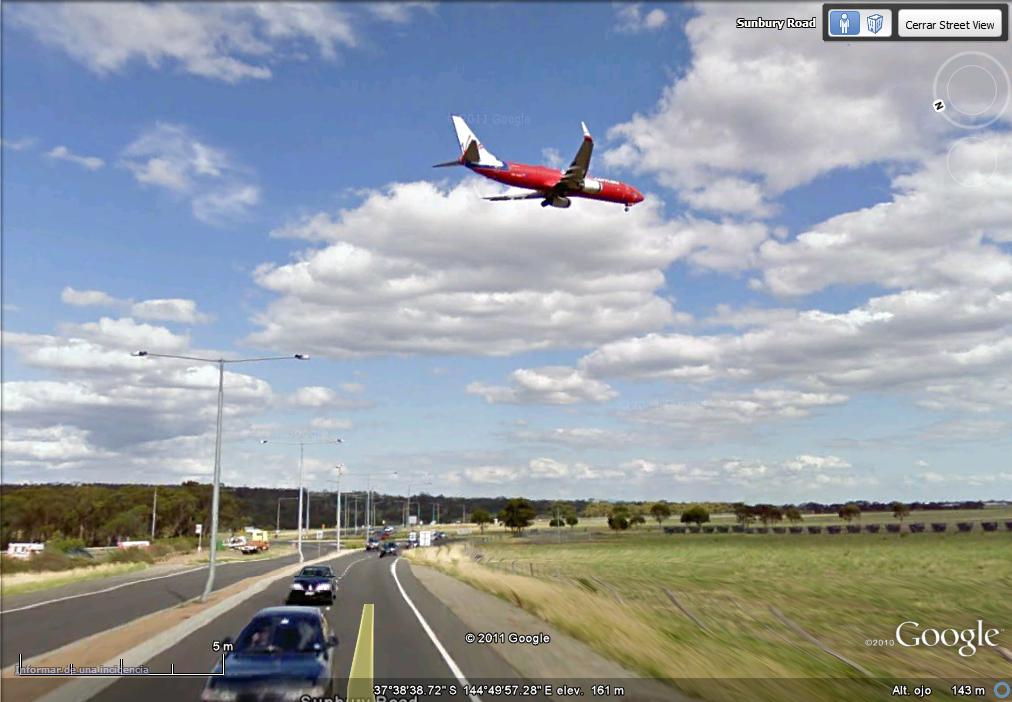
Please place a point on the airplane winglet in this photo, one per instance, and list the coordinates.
(586, 132)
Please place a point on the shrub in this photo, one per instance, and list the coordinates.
(815, 530)
(740, 529)
(722, 529)
(916, 528)
(797, 530)
(708, 529)
(893, 528)
(853, 528)
(965, 526)
(762, 530)
(694, 530)
(779, 530)
(63, 545)
(1008, 525)
(872, 528)
(695, 515)
(939, 526)
(833, 529)
(131, 555)
(989, 526)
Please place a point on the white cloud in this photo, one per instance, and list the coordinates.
(945, 346)
(550, 385)
(108, 411)
(88, 298)
(168, 156)
(725, 413)
(744, 123)
(574, 437)
(936, 232)
(398, 12)
(228, 42)
(173, 309)
(394, 276)
(18, 144)
(631, 19)
(553, 157)
(313, 396)
(169, 310)
(318, 397)
(330, 423)
(62, 153)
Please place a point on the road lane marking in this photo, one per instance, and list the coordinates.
(360, 678)
(123, 585)
(451, 664)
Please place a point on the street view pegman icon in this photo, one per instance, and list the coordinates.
(844, 23)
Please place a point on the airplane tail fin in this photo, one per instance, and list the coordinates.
(471, 150)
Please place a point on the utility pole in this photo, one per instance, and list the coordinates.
(215, 492)
(154, 513)
(337, 517)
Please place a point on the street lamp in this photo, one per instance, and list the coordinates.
(302, 445)
(337, 516)
(277, 527)
(220, 362)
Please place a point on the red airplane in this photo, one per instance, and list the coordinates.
(553, 187)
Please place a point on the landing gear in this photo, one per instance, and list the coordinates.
(546, 203)
(627, 207)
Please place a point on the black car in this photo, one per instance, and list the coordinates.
(282, 654)
(389, 548)
(372, 544)
(313, 585)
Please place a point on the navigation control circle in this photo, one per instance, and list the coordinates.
(976, 89)
(967, 161)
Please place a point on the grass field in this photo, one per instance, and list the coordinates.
(18, 583)
(843, 590)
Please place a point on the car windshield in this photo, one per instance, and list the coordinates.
(316, 572)
(280, 633)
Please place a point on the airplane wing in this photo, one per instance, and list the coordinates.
(577, 171)
(527, 196)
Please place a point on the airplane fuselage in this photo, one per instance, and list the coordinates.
(543, 179)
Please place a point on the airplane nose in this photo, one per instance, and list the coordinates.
(637, 195)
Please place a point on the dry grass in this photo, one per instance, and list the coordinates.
(18, 583)
(612, 596)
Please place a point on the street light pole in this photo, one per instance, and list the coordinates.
(154, 512)
(277, 526)
(337, 515)
(302, 446)
(301, 557)
(216, 488)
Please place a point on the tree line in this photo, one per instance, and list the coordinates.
(100, 515)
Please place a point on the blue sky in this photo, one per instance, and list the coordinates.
(802, 308)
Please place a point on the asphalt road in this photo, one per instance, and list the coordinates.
(402, 651)
(49, 626)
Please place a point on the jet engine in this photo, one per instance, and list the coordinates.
(557, 201)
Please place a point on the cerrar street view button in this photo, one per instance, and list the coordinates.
(951, 23)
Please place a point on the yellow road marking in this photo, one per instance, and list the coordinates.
(360, 687)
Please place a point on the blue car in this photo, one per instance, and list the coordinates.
(313, 585)
(284, 653)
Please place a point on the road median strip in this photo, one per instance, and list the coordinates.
(135, 642)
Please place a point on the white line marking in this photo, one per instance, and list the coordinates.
(117, 587)
(454, 668)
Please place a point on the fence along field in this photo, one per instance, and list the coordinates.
(769, 617)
